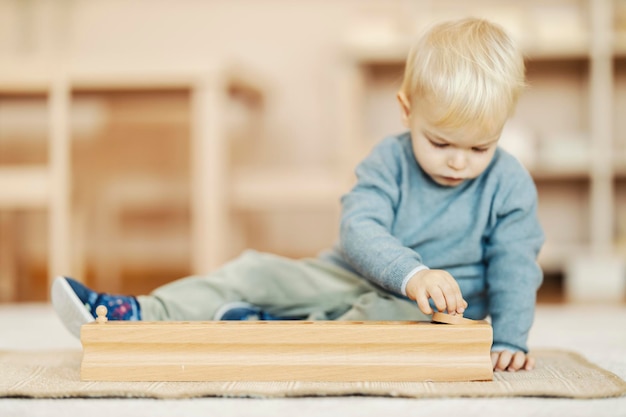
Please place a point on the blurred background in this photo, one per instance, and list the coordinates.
(145, 140)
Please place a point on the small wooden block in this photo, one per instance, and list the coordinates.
(285, 351)
(452, 319)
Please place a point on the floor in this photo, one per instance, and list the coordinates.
(597, 332)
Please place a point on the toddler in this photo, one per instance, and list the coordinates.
(440, 218)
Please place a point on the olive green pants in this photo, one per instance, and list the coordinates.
(309, 288)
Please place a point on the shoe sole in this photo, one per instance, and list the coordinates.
(68, 306)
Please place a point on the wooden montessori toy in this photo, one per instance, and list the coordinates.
(450, 348)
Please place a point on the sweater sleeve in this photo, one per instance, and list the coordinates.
(368, 213)
(513, 275)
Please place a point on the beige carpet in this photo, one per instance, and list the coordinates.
(55, 374)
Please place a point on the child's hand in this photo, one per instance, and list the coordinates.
(509, 361)
(438, 285)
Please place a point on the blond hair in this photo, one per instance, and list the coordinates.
(467, 71)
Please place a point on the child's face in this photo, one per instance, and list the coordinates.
(449, 157)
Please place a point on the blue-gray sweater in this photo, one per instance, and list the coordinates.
(484, 232)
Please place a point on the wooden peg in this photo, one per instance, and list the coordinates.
(439, 317)
(101, 313)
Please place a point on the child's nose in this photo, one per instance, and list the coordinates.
(457, 160)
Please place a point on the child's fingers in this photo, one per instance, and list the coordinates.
(494, 359)
(422, 303)
(503, 360)
(517, 362)
(454, 299)
(451, 302)
(439, 298)
(512, 362)
(441, 287)
(461, 303)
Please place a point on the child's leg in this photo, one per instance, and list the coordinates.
(76, 304)
(279, 286)
(377, 305)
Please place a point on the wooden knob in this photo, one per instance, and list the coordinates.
(451, 319)
(101, 313)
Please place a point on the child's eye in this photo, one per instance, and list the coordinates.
(439, 145)
(480, 150)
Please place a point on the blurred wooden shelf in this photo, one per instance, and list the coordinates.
(574, 49)
(546, 172)
(394, 51)
(24, 187)
(286, 189)
(555, 256)
(619, 45)
(211, 90)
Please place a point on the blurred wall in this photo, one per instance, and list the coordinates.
(299, 51)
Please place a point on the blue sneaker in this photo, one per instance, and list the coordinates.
(76, 304)
(240, 310)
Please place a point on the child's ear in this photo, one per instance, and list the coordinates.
(405, 108)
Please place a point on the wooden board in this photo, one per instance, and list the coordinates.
(286, 351)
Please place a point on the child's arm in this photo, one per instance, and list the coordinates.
(512, 273)
(368, 215)
(438, 285)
